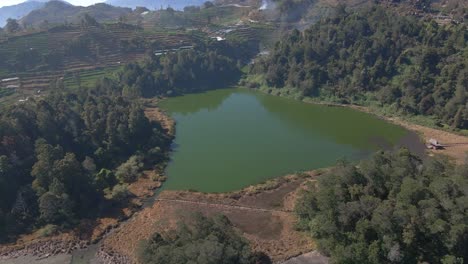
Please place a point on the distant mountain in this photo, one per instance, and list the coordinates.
(60, 12)
(156, 4)
(18, 11)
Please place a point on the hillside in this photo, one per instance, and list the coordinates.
(56, 12)
(409, 66)
(80, 56)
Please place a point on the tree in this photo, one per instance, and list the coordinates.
(105, 179)
(55, 206)
(129, 171)
(393, 208)
(208, 4)
(8, 185)
(359, 57)
(12, 26)
(88, 21)
(119, 193)
(24, 209)
(204, 241)
(41, 170)
(65, 141)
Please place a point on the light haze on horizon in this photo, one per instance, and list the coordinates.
(73, 2)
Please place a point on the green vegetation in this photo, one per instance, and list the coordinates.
(58, 155)
(78, 47)
(213, 66)
(393, 208)
(88, 78)
(6, 92)
(203, 241)
(417, 67)
(293, 10)
(71, 154)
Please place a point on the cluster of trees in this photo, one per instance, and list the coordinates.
(12, 26)
(178, 73)
(293, 10)
(393, 208)
(417, 66)
(203, 241)
(68, 156)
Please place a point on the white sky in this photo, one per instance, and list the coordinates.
(74, 2)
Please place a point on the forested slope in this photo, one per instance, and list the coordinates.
(210, 65)
(68, 156)
(415, 66)
(392, 208)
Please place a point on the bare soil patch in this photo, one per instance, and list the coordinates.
(154, 113)
(313, 257)
(262, 213)
(87, 232)
(456, 145)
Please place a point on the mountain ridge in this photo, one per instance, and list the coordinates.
(151, 4)
(57, 12)
(18, 11)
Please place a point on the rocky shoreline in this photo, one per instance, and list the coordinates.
(43, 249)
(112, 257)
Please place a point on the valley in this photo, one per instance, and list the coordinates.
(234, 131)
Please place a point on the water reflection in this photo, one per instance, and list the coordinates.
(227, 139)
(193, 103)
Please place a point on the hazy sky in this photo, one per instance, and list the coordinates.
(75, 2)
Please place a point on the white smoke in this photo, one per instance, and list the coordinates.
(265, 5)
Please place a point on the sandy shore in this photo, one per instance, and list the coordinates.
(456, 145)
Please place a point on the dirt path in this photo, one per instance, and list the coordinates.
(262, 213)
(227, 206)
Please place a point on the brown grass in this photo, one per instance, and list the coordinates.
(264, 217)
(154, 113)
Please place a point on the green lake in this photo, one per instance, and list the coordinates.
(231, 138)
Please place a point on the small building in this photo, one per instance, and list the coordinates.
(434, 144)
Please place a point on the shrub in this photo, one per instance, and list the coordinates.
(130, 170)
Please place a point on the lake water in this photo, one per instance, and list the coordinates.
(231, 138)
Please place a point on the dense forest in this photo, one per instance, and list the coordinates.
(204, 241)
(393, 208)
(70, 151)
(415, 66)
(69, 155)
(214, 66)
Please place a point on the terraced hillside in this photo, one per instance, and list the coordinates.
(39, 58)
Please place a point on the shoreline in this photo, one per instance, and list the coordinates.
(263, 213)
(63, 244)
(456, 144)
